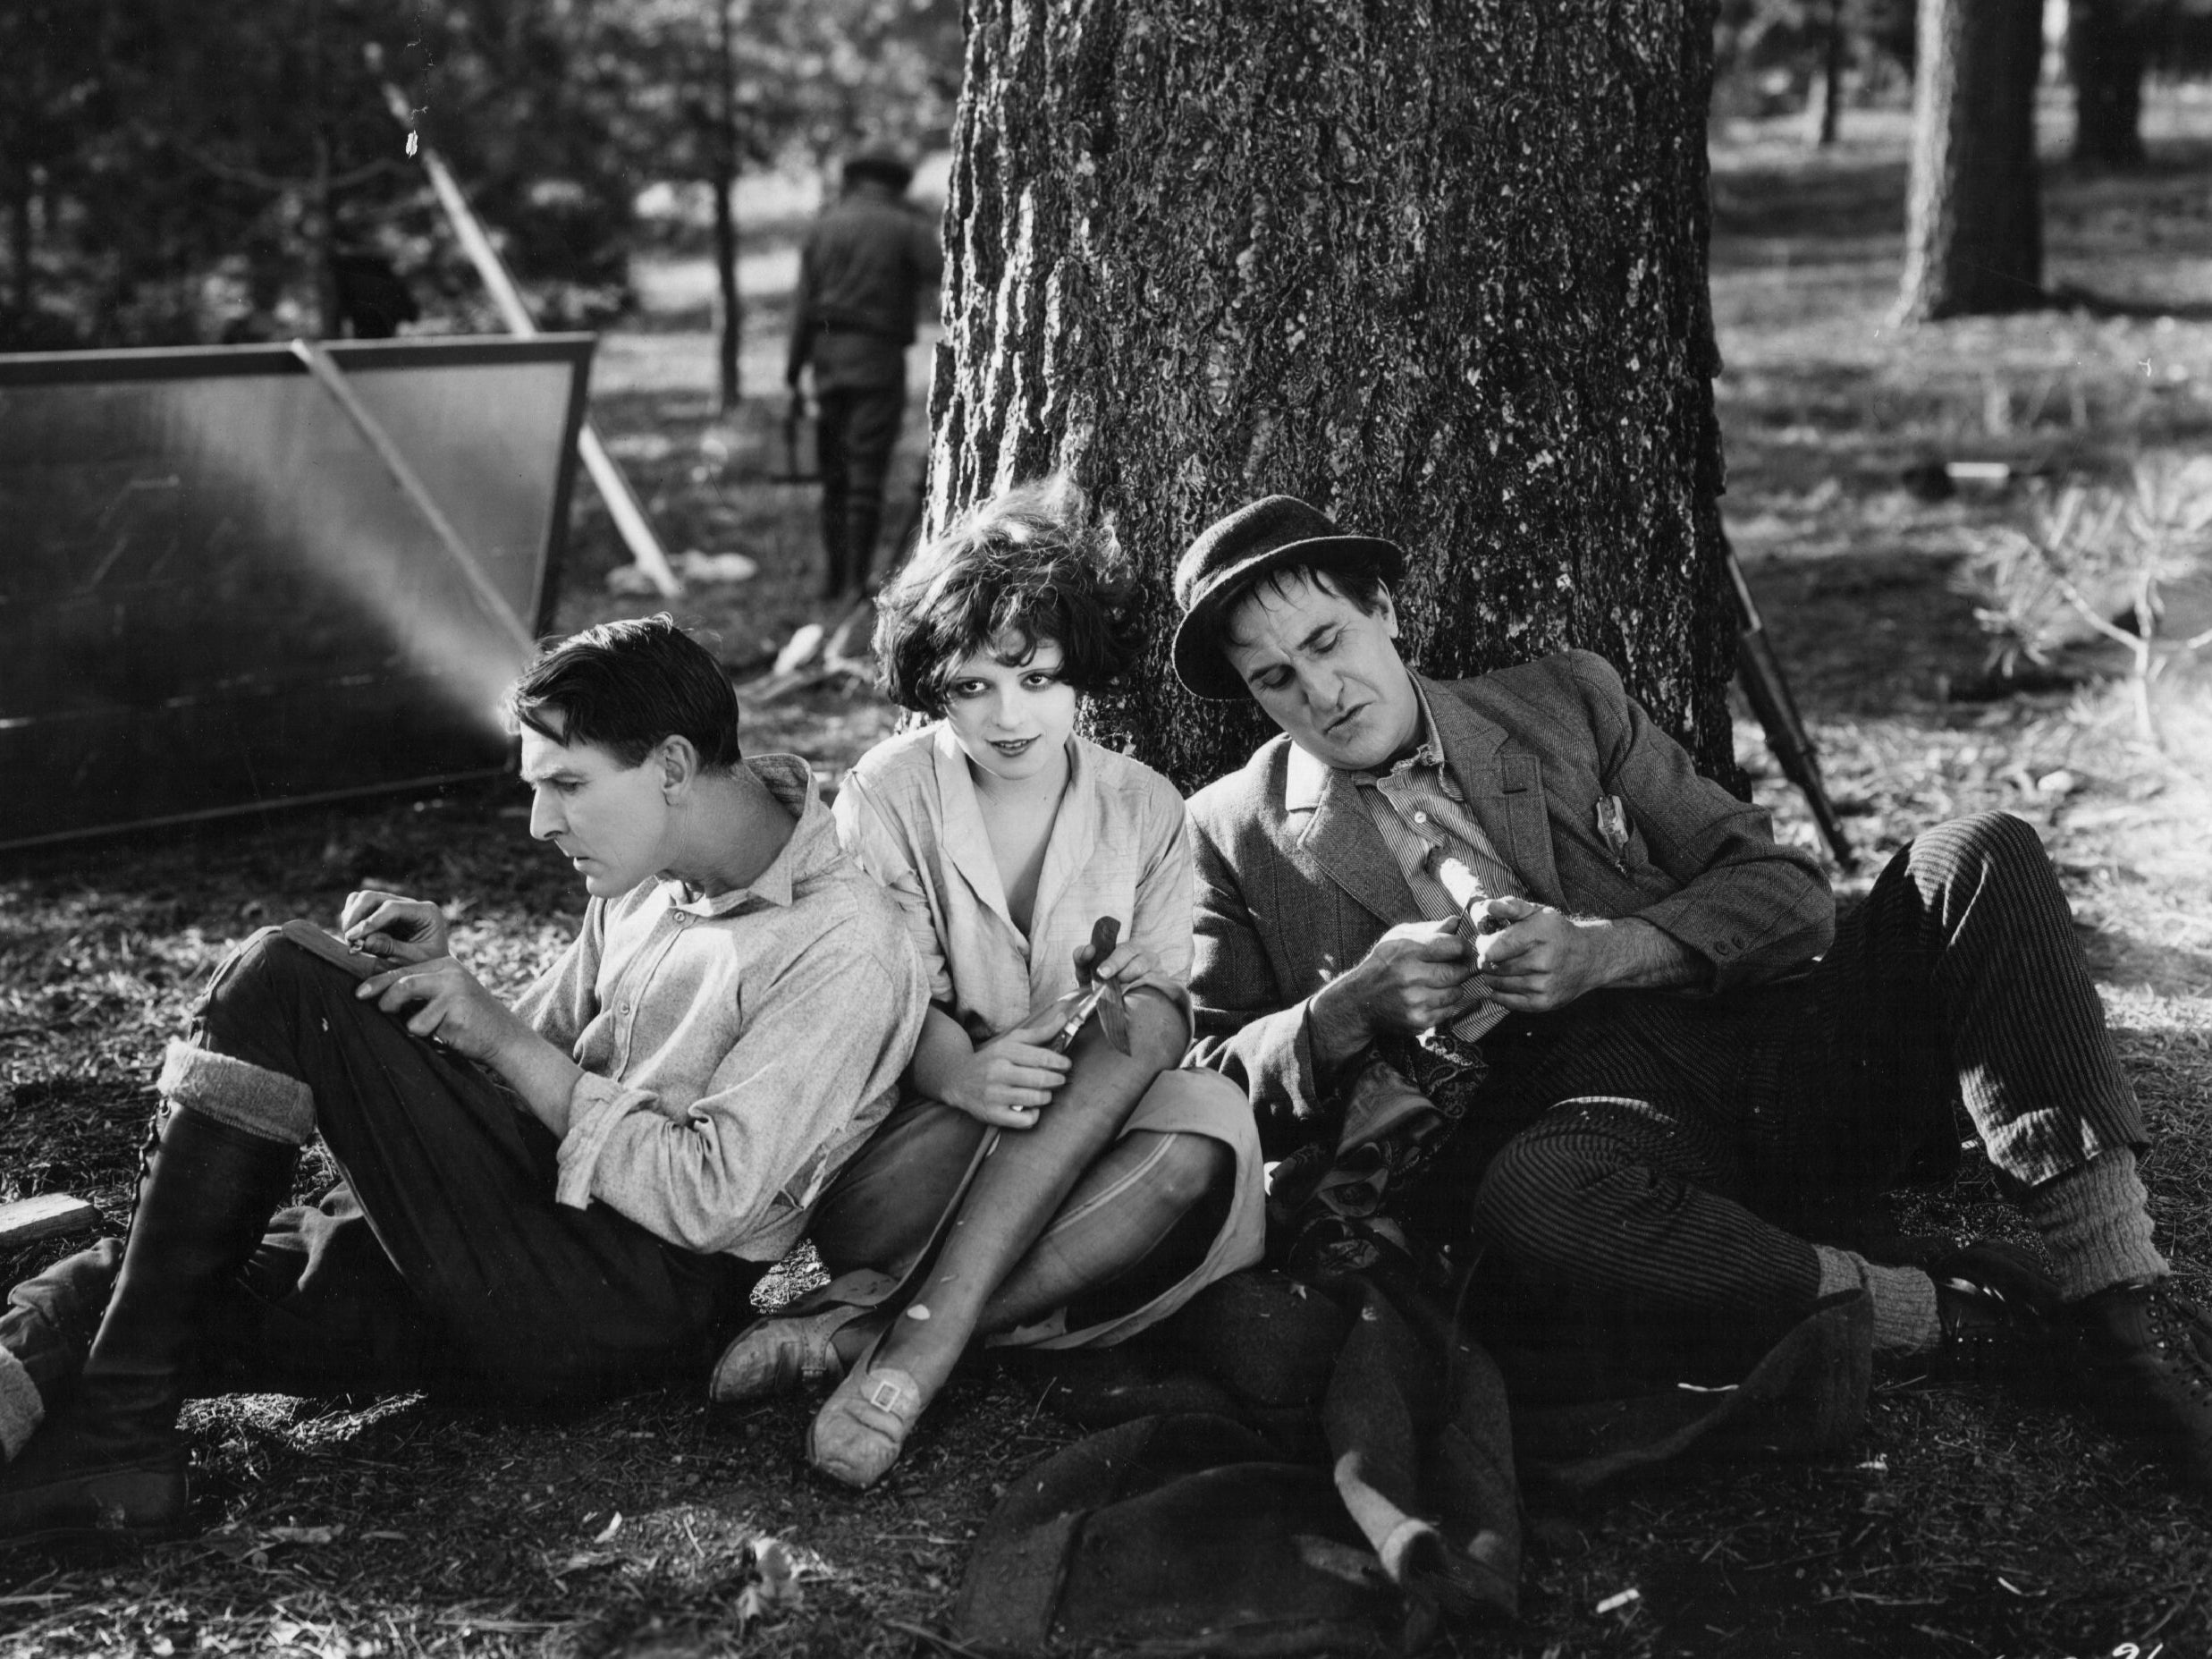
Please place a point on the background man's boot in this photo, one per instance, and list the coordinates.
(44, 1333)
(111, 1460)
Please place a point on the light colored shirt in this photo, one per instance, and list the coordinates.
(736, 1049)
(1421, 812)
(1120, 847)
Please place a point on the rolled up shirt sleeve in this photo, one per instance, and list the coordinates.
(1161, 926)
(735, 1169)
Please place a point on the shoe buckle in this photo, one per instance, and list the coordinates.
(885, 1395)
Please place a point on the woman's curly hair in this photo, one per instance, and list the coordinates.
(1031, 562)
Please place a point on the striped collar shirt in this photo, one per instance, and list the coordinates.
(1421, 812)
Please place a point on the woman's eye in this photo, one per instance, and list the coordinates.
(1039, 679)
(963, 689)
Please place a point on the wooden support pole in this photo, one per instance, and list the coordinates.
(622, 503)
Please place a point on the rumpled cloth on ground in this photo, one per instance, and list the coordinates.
(1290, 1470)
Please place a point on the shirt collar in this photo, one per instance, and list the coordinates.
(791, 781)
(1305, 777)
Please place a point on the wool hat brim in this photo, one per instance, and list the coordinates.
(1200, 661)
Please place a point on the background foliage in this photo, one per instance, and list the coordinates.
(171, 172)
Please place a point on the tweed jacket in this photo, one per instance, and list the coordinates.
(1289, 898)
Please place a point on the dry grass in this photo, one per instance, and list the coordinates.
(1963, 1524)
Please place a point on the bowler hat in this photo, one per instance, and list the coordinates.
(1231, 554)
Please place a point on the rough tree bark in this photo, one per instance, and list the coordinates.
(1437, 267)
(2107, 50)
(1974, 204)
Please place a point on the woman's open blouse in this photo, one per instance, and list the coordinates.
(1120, 847)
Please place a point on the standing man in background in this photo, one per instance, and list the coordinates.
(865, 265)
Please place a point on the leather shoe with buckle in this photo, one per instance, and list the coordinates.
(1997, 1309)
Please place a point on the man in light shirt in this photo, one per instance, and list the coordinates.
(557, 1199)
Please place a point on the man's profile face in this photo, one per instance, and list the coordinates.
(1326, 672)
(609, 820)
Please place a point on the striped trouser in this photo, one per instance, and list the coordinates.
(1687, 1142)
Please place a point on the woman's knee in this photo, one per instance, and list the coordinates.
(1184, 1168)
(1158, 1034)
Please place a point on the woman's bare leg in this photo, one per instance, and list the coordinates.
(1121, 1210)
(1022, 1186)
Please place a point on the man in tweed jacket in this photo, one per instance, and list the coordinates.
(1696, 1081)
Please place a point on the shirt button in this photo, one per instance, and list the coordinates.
(1421, 818)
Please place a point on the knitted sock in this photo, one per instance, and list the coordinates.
(1903, 1298)
(236, 1092)
(2094, 1223)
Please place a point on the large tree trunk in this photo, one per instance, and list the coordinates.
(1974, 207)
(2108, 49)
(1439, 269)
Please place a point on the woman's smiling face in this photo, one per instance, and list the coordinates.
(1009, 710)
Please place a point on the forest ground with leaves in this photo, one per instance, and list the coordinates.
(1962, 1523)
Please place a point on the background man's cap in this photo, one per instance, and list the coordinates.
(1231, 554)
(885, 166)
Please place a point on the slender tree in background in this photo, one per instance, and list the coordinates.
(1439, 269)
(1828, 89)
(1974, 204)
(2108, 45)
(729, 317)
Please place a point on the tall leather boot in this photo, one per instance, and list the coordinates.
(112, 1462)
(45, 1334)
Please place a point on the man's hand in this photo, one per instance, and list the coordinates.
(1416, 977)
(398, 929)
(1011, 1078)
(451, 1005)
(1537, 958)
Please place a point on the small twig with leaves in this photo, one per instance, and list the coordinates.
(2092, 543)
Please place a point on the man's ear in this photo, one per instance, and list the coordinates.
(679, 762)
(1389, 614)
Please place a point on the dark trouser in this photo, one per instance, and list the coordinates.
(857, 431)
(444, 1259)
(1677, 1203)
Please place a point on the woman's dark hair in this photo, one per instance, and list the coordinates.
(625, 686)
(1032, 563)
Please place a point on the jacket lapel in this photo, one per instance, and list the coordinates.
(1342, 840)
(1504, 790)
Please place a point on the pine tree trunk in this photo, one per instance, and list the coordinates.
(1437, 268)
(2107, 50)
(1973, 205)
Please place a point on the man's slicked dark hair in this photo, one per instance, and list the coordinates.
(625, 686)
(1032, 563)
